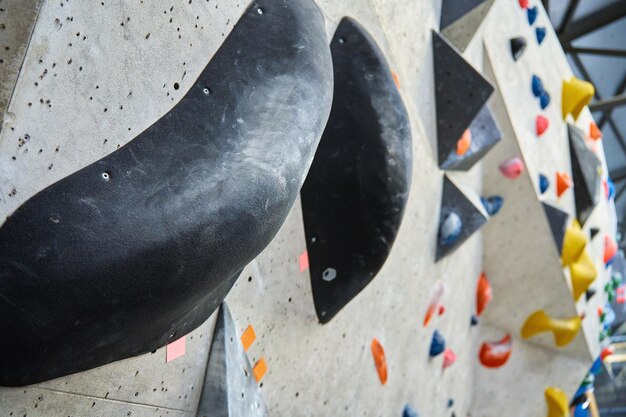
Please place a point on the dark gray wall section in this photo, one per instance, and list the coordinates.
(453, 200)
(460, 93)
(141, 247)
(585, 172)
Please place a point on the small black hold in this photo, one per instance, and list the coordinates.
(518, 45)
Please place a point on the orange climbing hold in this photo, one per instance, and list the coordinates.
(395, 79)
(496, 354)
(610, 249)
(541, 125)
(247, 338)
(483, 293)
(594, 131)
(379, 360)
(259, 369)
(463, 144)
(436, 296)
(563, 183)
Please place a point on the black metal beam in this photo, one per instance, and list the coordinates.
(546, 6)
(621, 89)
(594, 51)
(618, 174)
(593, 21)
(569, 13)
(608, 104)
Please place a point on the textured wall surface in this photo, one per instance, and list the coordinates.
(98, 73)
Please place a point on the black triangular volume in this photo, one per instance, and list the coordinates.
(518, 45)
(593, 231)
(454, 202)
(485, 134)
(354, 196)
(228, 391)
(590, 293)
(557, 219)
(460, 93)
(585, 173)
(453, 10)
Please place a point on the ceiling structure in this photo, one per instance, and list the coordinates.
(593, 34)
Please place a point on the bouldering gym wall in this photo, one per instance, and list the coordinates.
(309, 208)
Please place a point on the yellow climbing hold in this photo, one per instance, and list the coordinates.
(582, 273)
(573, 243)
(564, 330)
(556, 400)
(575, 96)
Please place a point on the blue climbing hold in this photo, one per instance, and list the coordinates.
(474, 320)
(450, 402)
(450, 229)
(532, 13)
(492, 204)
(544, 99)
(409, 412)
(611, 186)
(537, 86)
(540, 31)
(437, 345)
(596, 368)
(544, 183)
(582, 410)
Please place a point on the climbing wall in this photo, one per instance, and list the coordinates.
(96, 75)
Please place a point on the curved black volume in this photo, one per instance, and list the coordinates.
(140, 247)
(354, 196)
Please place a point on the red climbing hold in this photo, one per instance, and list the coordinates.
(523, 4)
(483, 293)
(512, 167)
(541, 125)
(442, 310)
(607, 351)
(610, 249)
(496, 354)
(563, 183)
(449, 357)
(594, 131)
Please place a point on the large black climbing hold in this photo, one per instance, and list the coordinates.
(484, 134)
(585, 172)
(454, 201)
(460, 93)
(354, 195)
(229, 389)
(460, 19)
(557, 219)
(518, 46)
(140, 247)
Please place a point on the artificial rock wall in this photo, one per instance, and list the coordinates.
(94, 75)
